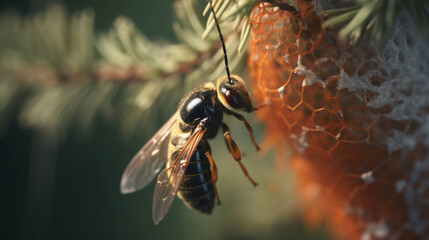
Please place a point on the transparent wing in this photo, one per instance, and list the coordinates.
(148, 161)
(169, 179)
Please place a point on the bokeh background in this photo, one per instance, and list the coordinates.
(67, 187)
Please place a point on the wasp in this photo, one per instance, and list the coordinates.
(181, 146)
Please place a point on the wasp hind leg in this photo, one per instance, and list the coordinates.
(214, 175)
(235, 151)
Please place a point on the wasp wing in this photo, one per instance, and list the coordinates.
(169, 179)
(148, 161)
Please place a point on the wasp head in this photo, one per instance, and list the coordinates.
(233, 94)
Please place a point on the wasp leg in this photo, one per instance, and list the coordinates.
(235, 151)
(259, 107)
(214, 175)
(230, 143)
(248, 126)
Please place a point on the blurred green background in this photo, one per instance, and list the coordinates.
(56, 187)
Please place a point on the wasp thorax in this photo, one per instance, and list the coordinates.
(233, 94)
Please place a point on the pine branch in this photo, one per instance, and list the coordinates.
(78, 99)
(68, 109)
(48, 47)
(376, 18)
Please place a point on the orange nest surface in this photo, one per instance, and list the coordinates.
(346, 172)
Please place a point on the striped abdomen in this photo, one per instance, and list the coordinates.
(197, 190)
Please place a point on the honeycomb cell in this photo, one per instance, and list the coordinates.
(314, 96)
(327, 69)
(291, 97)
(355, 111)
(320, 139)
(353, 134)
(303, 114)
(308, 59)
(293, 48)
(377, 80)
(327, 120)
(350, 163)
(350, 65)
(321, 53)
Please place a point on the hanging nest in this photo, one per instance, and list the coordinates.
(356, 118)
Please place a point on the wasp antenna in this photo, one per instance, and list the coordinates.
(222, 41)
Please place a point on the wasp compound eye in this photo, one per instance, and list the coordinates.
(233, 99)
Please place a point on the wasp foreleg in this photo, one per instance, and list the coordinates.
(248, 127)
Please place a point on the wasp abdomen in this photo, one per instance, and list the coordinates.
(197, 190)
